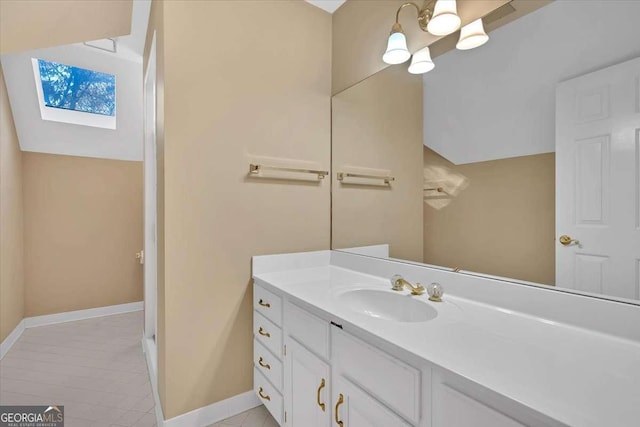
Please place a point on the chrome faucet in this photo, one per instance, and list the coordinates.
(398, 283)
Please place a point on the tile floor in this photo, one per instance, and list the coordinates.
(256, 417)
(96, 369)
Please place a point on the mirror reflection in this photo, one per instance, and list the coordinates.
(518, 159)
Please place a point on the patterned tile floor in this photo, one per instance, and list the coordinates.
(96, 369)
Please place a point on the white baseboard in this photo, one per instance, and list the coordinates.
(69, 316)
(11, 338)
(200, 417)
(215, 412)
(153, 378)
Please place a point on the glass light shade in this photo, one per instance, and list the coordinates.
(397, 51)
(421, 62)
(445, 19)
(472, 35)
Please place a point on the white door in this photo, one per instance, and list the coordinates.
(306, 389)
(598, 181)
(150, 208)
(355, 408)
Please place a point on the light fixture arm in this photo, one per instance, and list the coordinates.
(424, 13)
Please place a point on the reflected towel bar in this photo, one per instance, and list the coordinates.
(255, 169)
(438, 189)
(343, 175)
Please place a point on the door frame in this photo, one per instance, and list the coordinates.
(150, 205)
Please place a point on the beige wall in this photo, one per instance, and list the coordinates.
(83, 226)
(361, 28)
(35, 24)
(156, 25)
(497, 217)
(11, 222)
(377, 125)
(232, 95)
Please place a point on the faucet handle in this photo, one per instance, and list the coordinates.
(435, 292)
(396, 282)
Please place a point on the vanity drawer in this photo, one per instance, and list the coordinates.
(383, 376)
(268, 304)
(309, 330)
(267, 333)
(268, 395)
(268, 364)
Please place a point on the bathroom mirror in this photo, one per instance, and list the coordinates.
(519, 159)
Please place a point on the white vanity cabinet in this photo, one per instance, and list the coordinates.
(310, 372)
(267, 350)
(306, 390)
(319, 363)
(356, 408)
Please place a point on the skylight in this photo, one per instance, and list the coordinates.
(75, 95)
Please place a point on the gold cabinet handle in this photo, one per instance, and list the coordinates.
(264, 333)
(567, 240)
(262, 395)
(264, 365)
(338, 403)
(320, 404)
(264, 304)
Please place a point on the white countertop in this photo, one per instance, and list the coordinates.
(573, 375)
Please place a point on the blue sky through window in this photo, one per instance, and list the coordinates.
(79, 89)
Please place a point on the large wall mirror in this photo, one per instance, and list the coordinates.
(519, 159)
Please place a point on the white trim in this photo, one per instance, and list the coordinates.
(70, 316)
(215, 412)
(11, 339)
(200, 417)
(153, 377)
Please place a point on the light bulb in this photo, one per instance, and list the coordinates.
(397, 51)
(421, 62)
(445, 19)
(472, 35)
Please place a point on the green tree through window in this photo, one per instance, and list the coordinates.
(79, 89)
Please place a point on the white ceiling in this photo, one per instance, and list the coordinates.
(123, 143)
(35, 134)
(328, 5)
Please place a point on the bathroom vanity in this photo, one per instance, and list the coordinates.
(334, 345)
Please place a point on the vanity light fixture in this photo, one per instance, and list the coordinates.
(440, 18)
(397, 51)
(445, 19)
(421, 61)
(472, 35)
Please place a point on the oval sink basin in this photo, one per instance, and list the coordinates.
(387, 305)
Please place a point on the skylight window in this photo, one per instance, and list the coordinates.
(75, 95)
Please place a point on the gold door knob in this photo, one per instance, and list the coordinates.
(567, 240)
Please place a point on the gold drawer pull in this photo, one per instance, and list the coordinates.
(264, 333)
(340, 402)
(264, 365)
(264, 396)
(320, 404)
(264, 304)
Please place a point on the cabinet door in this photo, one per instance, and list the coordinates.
(355, 408)
(307, 394)
(452, 408)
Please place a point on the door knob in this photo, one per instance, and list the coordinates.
(567, 240)
(140, 256)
